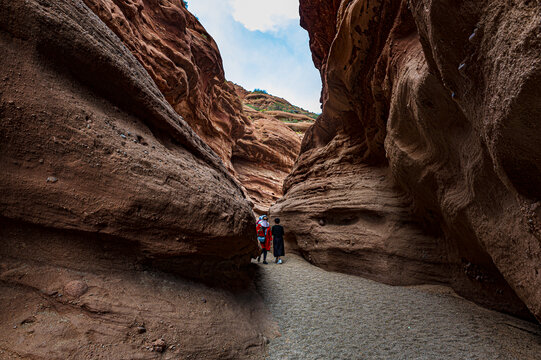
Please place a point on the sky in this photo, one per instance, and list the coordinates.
(263, 46)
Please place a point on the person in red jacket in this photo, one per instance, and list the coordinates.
(264, 236)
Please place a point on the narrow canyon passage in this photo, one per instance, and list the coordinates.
(327, 315)
(134, 171)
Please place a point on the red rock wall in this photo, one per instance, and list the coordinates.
(90, 144)
(184, 61)
(439, 99)
(265, 155)
(103, 187)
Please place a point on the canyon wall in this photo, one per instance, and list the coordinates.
(424, 166)
(265, 155)
(104, 185)
(185, 63)
(91, 144)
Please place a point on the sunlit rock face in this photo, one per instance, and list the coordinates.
(184, 61)
(265, 155)
(425, 164)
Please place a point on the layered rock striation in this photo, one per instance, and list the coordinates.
(424, 164)
(265, 155)
(185, 63)
(103, 186)
(90, 143)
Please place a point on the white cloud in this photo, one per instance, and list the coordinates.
(265, 15)
(278, 61)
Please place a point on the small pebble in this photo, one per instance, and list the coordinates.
(75, 288)
(52, 179)
(159, 345)
(123, 136)
(472, 35)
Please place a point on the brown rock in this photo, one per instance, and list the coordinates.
(184, 61)
(319, 18)
(264, 157)
(159, 345)
(266, 153)
(300, 127)
(149, 194)
(360, 227)
(125, 299)
(439, 100)
(138, 191)
(75, 288)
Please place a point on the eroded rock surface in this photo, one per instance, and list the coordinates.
(266, 153)
(438, 98)
(78, 107)
(102, 181)
(67, 295)
(184, 61)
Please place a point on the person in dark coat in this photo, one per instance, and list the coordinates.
(278, 241)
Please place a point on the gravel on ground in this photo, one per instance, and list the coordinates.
(327, 315)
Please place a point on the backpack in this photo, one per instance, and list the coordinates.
(262, 234)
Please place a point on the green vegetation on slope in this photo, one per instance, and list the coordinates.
(268, 102)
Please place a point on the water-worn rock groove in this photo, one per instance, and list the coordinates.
(327, 315)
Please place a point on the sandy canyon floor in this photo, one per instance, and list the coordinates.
(326, 315)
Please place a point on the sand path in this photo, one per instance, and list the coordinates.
(326, 315)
